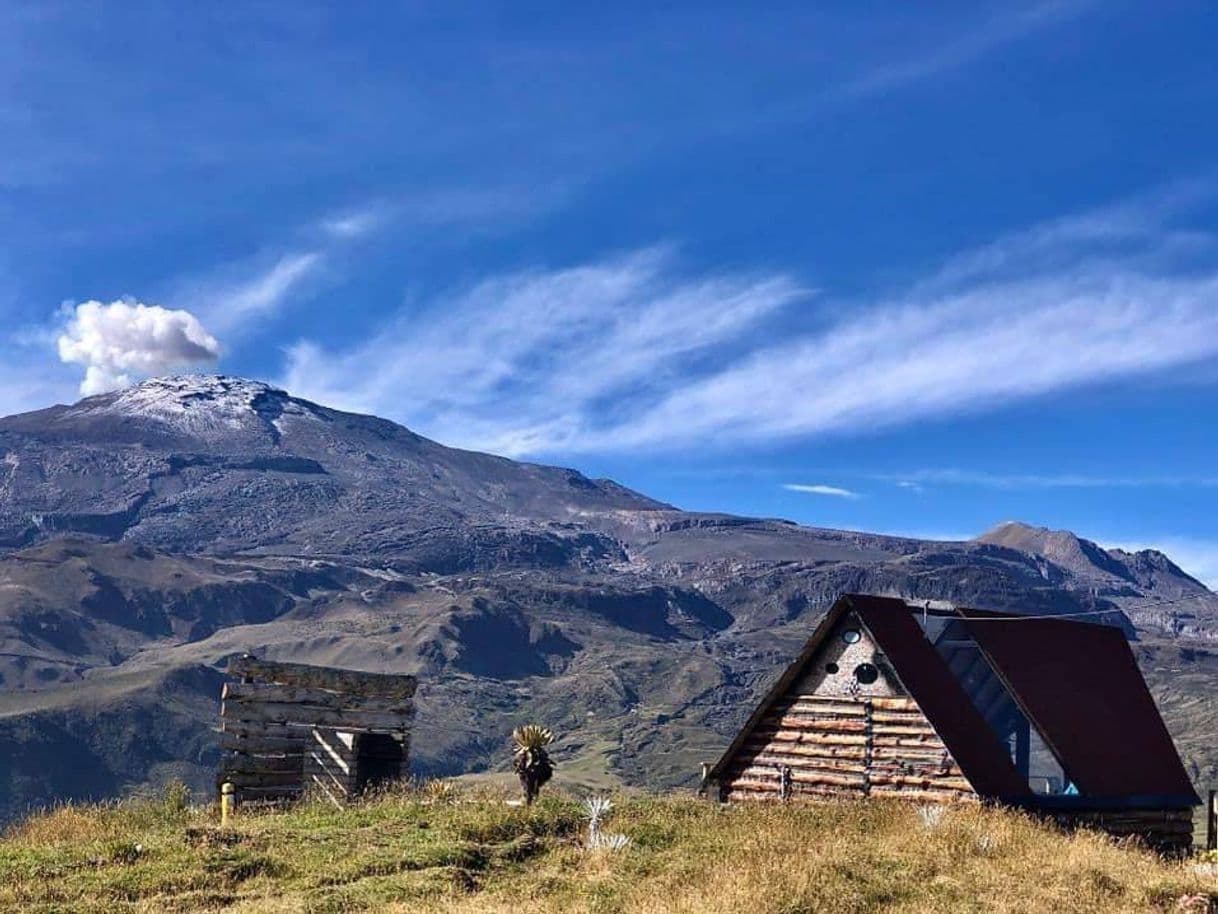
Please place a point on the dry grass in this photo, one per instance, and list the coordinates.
(431, 851)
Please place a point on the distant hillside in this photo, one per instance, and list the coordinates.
(147, 535)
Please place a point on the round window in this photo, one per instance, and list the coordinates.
(851, 636)
(831, 668)
(866, 673)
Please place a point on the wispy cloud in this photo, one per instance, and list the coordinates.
(237, 296)
(521, 363)
(632, 353)
(353, 223)
(1012, 23)
(947, 476)
(818, 489)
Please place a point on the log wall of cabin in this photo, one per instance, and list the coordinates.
(839, 737)
(298, 731)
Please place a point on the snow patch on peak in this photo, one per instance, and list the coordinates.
(204, 406)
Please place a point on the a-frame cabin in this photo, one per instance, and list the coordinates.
(892, 699)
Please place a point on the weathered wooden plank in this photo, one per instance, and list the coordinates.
(242, 779)
(812, 717)
(799, 750)
(279, 792)
(753, 790)
(264, 745)
(822, 726)
(887, 741)
(822, 739)
(894, 703)
(815, 698)
(350, 682)
(809, 738)
(925, 796)
(924, 751)
(813, 770)
(320, 698)
(233, 762)
(777, 751)
(806, 776)
(809, 706)
(915, 718)
(307, 715)
(918, 773)
(942, 782)
(882, 730)
(260, 728)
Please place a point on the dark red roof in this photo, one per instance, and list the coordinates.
(972, 743)
(1080, 685)
(1077, 682)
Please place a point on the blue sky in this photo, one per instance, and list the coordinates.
(920, 270)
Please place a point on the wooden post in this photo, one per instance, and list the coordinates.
(226, 803)
(1211, 829)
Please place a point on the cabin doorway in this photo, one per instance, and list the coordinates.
(379, 759)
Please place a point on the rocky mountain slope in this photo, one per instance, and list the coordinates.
(147, 535)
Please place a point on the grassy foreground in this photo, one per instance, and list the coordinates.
(433, 851)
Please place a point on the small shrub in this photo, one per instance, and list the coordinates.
(175, 799)
(440, 791)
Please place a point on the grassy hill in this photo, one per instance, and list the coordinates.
(442, 851)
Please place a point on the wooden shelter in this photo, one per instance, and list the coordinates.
(286, 727)
(890, 699)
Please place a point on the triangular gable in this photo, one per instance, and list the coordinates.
(1080, 685)
(781, 685)
(923, 675)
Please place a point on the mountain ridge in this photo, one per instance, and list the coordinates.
(148, 534)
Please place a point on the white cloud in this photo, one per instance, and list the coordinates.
(124, 340)
(351, 224)
(909, 359)
(523, 362)
(915, 479)
(229, 304)
(818, 489)
(1014, 22)
(630, 354)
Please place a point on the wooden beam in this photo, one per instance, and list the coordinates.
(279, 792)
(822, 726)
(288, 713)
(319, 698)
(254, 764)
(807, 738)
(350, 682)
(243, 779)
(235, 728)
(901, 704)
(265, 745)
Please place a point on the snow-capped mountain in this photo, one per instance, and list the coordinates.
(147, 534)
